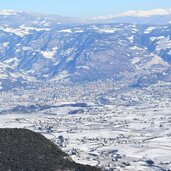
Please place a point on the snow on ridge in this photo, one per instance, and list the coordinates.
(106, 29)
(23, 27)
(66, 31)
(9, 12)
(21, 30)
(17, 31)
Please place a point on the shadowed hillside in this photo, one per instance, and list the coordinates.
(24, 150)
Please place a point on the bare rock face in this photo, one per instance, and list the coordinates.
(24, 150)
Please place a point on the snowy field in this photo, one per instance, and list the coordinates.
(124, 130)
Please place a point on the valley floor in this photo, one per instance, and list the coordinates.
(116, 129)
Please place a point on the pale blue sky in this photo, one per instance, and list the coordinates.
(83, 8)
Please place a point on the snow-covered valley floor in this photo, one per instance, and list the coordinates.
(117, 130)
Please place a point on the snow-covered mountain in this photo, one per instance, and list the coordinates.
(149, 13)
(44, 47)
(155, 16)
(18, 18)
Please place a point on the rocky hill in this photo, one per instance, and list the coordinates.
(23, 150)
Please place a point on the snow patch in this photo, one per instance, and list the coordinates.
(131, 38)
(106, 30)
(83, 67)
(5, 44)
(66, 31)
(149, 30)
(12, 62)
(48, 54)
(163, 43)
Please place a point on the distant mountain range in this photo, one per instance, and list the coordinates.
(156, 16)
(36, 47)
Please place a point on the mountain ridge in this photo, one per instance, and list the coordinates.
(154, 16)
(140, 13)
(147, 16)
(42, 50)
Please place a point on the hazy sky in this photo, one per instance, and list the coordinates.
(83, 8)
